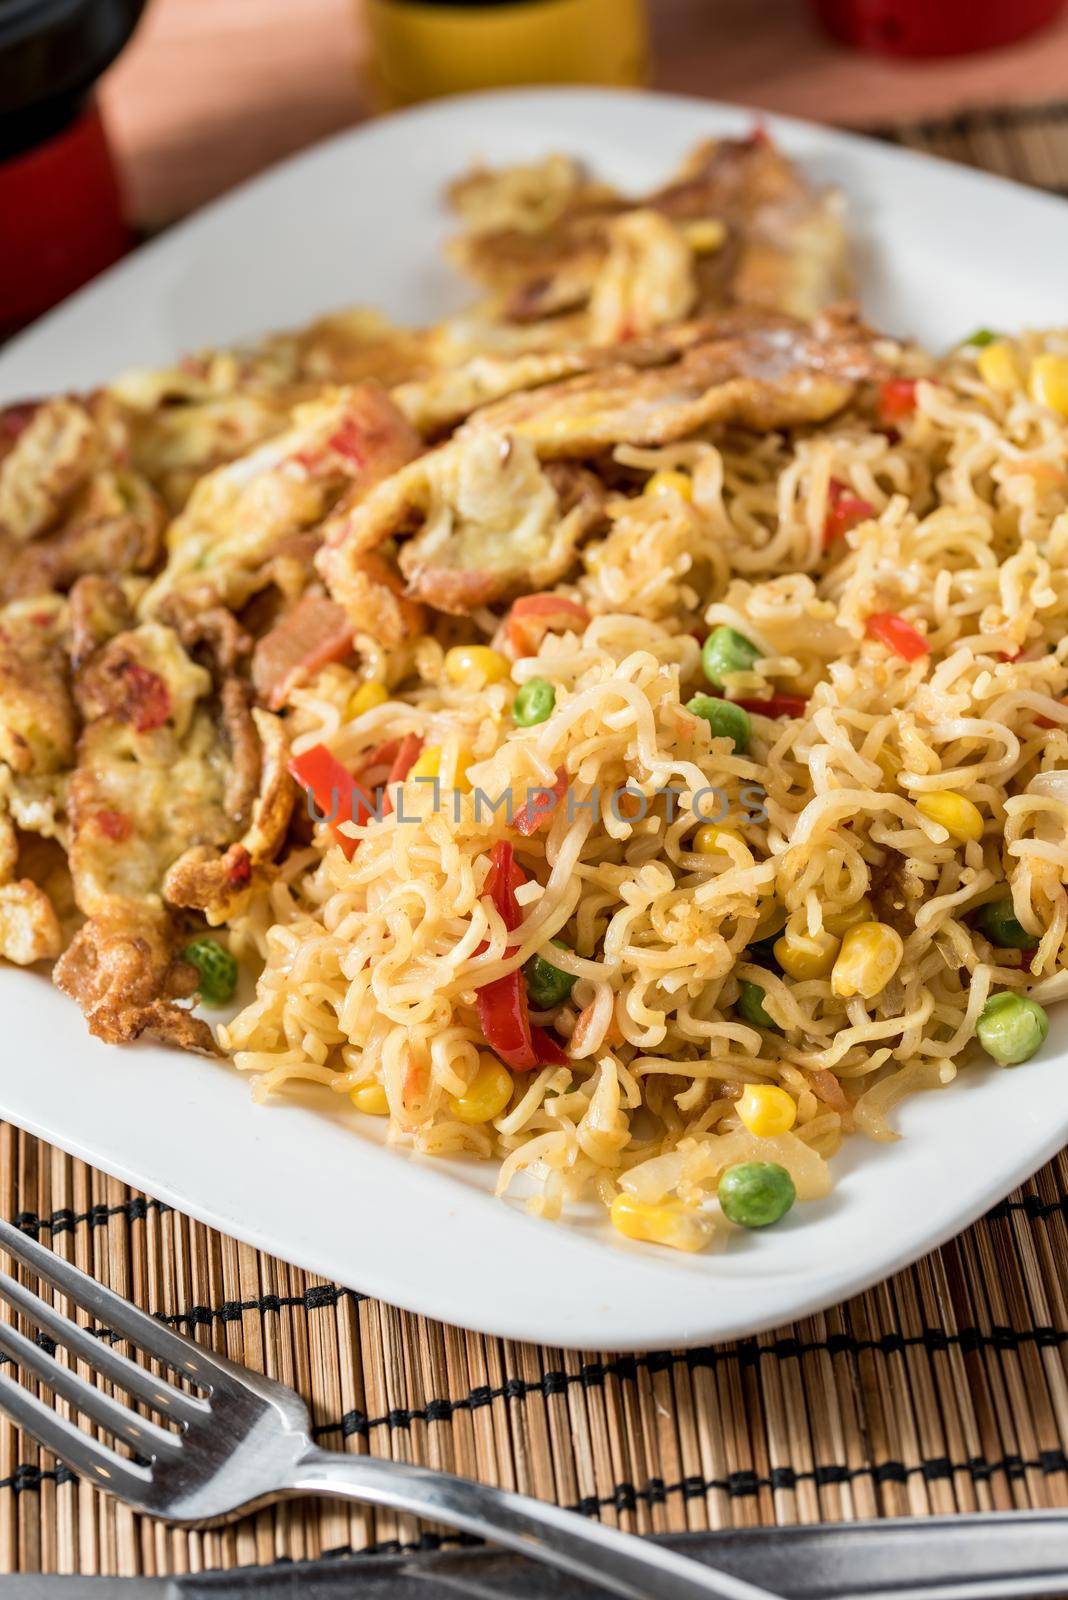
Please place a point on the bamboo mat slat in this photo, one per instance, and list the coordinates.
(944, 1389)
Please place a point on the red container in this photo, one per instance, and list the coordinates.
(62, 201)
(933, 27)
(60, 212)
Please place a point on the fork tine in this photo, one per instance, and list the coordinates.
(82, 1454)
(112, 1310)
(138, 1381)
(142, 1435)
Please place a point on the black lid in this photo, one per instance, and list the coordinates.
(52, 51)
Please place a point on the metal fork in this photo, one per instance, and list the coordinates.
(246, 1440)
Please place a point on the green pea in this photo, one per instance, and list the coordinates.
(217, 968)
(534, 702)
(726, 720)
(981, 338)
(547, 986)
(750, 1006)
(726, 650)
(1011, 1028)
(756, 1193)
(1000, 926)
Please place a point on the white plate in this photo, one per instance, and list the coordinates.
(941, 251)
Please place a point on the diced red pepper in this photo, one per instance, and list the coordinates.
(239, 866)
(534, 615)
(780, 705)
(541, 807)
(844, 510)
(503, 1009)
(13, 419)
(146, 700)
(349, 442)
(334, 790)
(114, 825)
(897, 400)
(897, 634)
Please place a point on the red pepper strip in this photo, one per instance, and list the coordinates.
(844, 511)
(538, 810)
(505, 876)
(897, 634)
(502, 1004)
(780, 705)
(383, 755)
(334, 790)
(398, 756)
(534, 615)
(897, 399)
(405, 758)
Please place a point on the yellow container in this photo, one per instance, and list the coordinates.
(421, 49)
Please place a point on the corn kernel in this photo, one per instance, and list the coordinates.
(671, 1223)
(366, 697)
(486, 1095)
(370, 1098)
(868, 959)
(427, 764)
(705, 235)
(711, 840)
(1049, 382)
(999, 368)
(766, 1110)
(472, 666)
(670, 483)
(840, 922)
(454, 772)
(961, 818)
(804, 955)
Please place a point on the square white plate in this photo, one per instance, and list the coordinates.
(940, 251)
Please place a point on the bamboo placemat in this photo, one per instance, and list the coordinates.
(945, 1389)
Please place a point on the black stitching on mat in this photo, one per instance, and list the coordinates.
(65, 1221)
(748, 1353)
(961, 123)
(737, 1485)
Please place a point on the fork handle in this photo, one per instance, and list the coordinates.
(617, 1561)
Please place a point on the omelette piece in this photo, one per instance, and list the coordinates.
(168, 763)
(51, 449)
(210, 408)
(29, 926)
(487, 522)
(37, 718)
(648, 278)
(114, 526)
(775, 373)
(219, 882)
(527, 198)
(254, 522)
(70, 503)
(435, 404)
(785, 246)
(759, 233)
